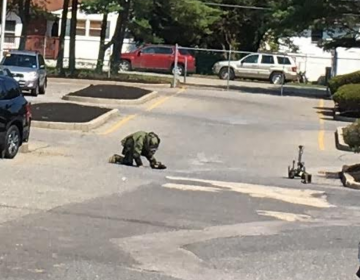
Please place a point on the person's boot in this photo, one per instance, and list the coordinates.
(358, 273)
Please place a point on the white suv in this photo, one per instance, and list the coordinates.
(277, 68)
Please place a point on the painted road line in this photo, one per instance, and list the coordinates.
(163, 100)
(119, 124)
(157, 103)
(131, 117)
(321, 134)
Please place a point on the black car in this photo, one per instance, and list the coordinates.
(15, 117)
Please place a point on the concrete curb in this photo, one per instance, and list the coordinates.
(84, 127)
(340, 118)
(348, 180)
(91, 100)
(340, 142)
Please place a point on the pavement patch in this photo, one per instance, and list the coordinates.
(289, 217)
(66, 112)
(68, 116)
(111, 92)
(305, 197)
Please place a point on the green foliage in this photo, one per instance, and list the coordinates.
(338, 18)
(100, 6)
(348, 98)
(338, 81)
(184, 22)
(351, 135)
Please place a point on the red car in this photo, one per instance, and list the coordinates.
(157, 58)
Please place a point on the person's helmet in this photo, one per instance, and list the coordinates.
(154, 142)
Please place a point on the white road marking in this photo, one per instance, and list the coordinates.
(305, 197)
(191, 188)
(289, 217)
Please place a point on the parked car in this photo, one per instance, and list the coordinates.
(28, 68)
(160, 58)
(277, 68)
(15, 117)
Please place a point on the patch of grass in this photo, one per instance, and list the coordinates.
(120, 77)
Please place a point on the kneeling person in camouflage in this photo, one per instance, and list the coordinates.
(136, 145)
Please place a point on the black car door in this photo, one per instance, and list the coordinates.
(5, 115)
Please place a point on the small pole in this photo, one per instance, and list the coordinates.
(3, 22)
(228, 77)
(175, 66)
(185, 73)
(283, 82)
(45, 46)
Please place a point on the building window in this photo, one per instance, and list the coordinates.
(10, 27)
(95, 29)
(316, 35)
(80, 27)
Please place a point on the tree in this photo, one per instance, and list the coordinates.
(24, 14)
(105, 7)
(72, 43)
(339, 19)
(60, 58)
(119, 35)
(184, 22)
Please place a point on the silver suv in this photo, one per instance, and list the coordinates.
(277, 68)
(28, 69)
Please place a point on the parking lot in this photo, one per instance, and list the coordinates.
(223, 209)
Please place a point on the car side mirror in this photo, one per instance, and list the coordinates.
(42, 66)
(139, 53)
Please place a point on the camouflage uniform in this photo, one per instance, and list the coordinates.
(140, 144)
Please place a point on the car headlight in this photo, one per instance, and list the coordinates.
(32, 75)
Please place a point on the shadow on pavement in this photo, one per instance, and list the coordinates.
(313, 93)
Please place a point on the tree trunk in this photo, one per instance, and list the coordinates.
(102, 47)
(72, 58)
(119, 35)
(24, 14)
(60, 58)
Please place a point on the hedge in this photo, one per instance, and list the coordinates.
(338, 81)
(352, 136)
(347, 98)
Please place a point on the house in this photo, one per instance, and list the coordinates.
(44, 32)
(313, 60)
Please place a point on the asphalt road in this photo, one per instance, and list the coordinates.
(223, 209)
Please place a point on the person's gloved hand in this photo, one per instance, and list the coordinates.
(158, 165)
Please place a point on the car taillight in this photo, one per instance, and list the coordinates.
(294, 69)
(28, 111)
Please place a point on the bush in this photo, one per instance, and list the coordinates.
(348, 98)
(352, 136)
(92, 75)
(338, 81)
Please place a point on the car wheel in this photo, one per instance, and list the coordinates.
(224, 72)
(277, 78)
(12, 142)
(125, 65)
(35, 91)
(180, 70)
(42, 89)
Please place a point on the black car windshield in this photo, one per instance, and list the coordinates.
(20, 60)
